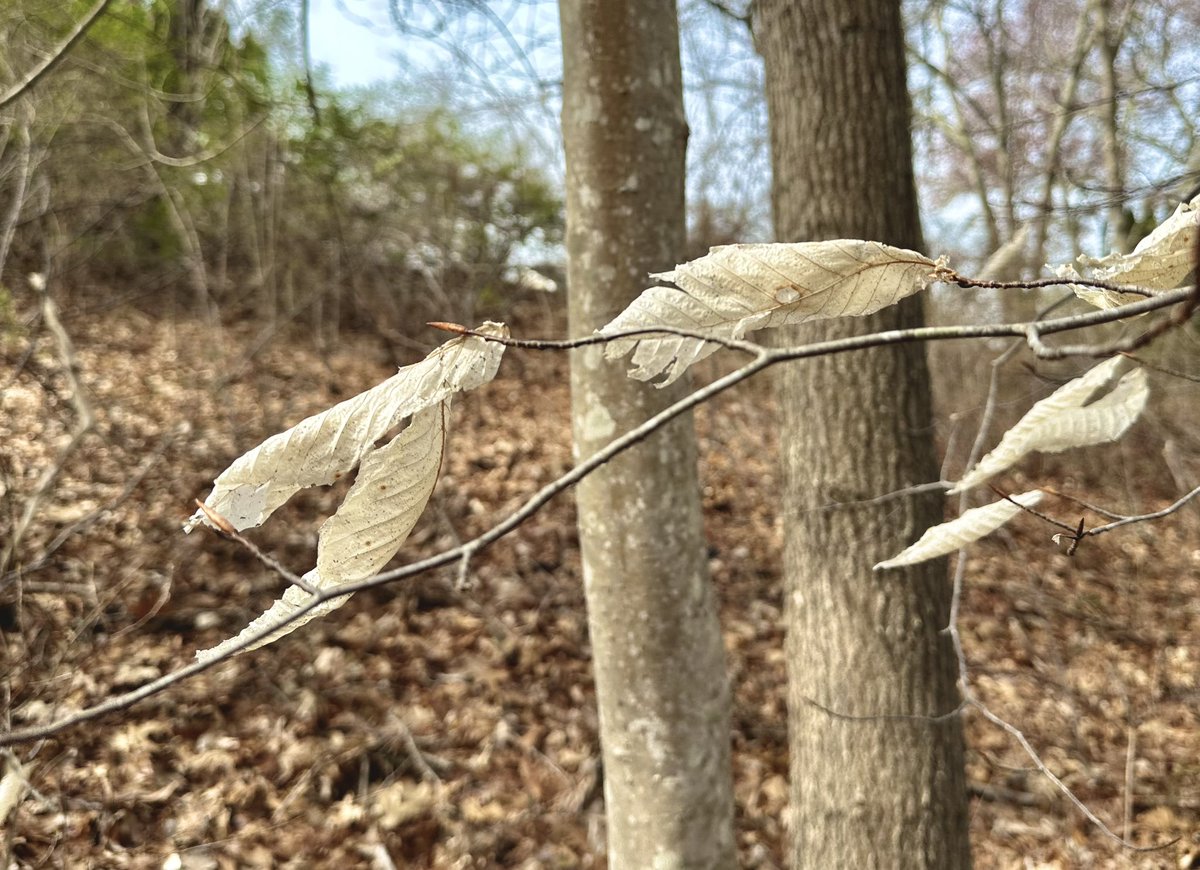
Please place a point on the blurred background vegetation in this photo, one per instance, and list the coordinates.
(189, 156)
(174, 164)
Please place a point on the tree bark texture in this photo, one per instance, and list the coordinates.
(881, 792)
(657, 649)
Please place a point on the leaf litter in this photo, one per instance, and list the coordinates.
(457, 729)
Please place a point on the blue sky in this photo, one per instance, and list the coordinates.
(354, 53)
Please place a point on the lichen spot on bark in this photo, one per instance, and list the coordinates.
(589, 198)
(592, 358)
(668, 860)
(598, 424)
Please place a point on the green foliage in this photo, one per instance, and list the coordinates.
(9, 326)
(170, 146)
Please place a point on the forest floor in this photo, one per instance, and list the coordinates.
(421, 726)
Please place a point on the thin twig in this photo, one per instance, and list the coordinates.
(227, 530)
(1041, 516)
(1141, 518)
(960, 565)
(1130, 774)
(963, 281)
(1016, 733)
(891, 717)
(1104, 512)
(1122, 346)
(645, 333)
(1175, 373)
(84, 420)
(997, 794)
(415, 755)
(52, 60)
(916, 489)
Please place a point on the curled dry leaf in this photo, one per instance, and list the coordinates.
(1161, 261)
(389, 495)
(739, 288)
(956, 534)
(393, 485)
(13, 786)
(321, 449)
(1064, 419)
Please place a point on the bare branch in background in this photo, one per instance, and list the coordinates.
(1085, 37)
(56, 55)
(84, 420)
(310, 91)
(17, 189)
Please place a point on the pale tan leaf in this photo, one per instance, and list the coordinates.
(13, 786)
(735, 289)
(389, 495)
(323, 448)
(1161, 261)
(956, 534)
(1064, 419)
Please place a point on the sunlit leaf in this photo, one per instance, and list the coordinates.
(956, 534)
(1064, 419)
(739, 288)
(1161, 261)
(393, 484)
(389, 495)
(323, 448)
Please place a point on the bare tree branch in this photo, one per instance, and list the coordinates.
(17, 188)
(84, 421)
(1141, 518)
(227, 530)
(1065, 789)
(56, 56)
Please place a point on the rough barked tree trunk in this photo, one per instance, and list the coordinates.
(882, 792)
(656, 644)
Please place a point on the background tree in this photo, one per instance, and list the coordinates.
(171, 147)
(657, 649)
(1074, 119)
(875, 792)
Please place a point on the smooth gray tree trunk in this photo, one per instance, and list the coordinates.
(875, 792)
(656, 644)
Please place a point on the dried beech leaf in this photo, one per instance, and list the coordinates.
(956, 534)
(13, 786)
(389, 495)
(323, 448)
(1063, 420)
(739, 288)
(1161, 261)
